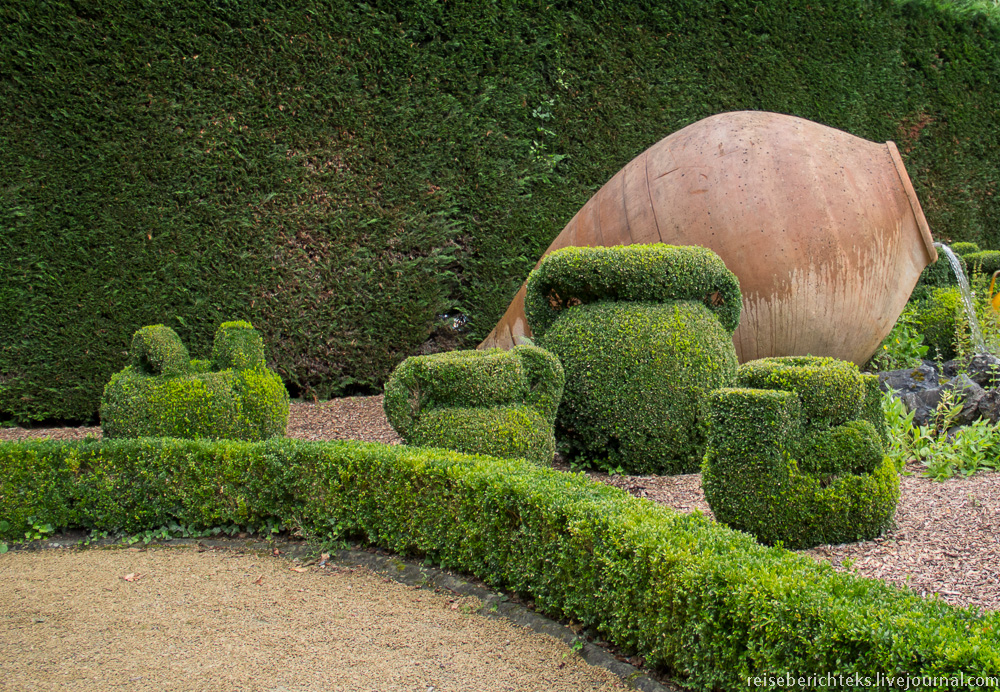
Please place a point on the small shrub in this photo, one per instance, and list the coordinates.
(939, 318)
(643, 332)
(985, 262)
(797, 455)
(904, 346)
(501, 403)
(164, 394)
(961, 249)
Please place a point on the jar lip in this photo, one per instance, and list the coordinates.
(911, 195)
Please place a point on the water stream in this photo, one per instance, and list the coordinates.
(976, 333)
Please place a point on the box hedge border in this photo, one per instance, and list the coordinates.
(706, 603)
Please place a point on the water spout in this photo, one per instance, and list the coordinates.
(970, 308)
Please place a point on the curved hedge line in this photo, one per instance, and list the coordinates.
(299, 163)
(706, 603)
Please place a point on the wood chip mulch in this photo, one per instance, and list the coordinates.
(946, 541)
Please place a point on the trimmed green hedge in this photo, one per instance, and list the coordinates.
(643, 332)
(937, 317)
(163, 393)
(300, 163)
(985, 262)
(501, 403)
(962, 249)
(797, 454)
(705, 603)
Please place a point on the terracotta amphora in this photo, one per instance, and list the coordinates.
(822, 228)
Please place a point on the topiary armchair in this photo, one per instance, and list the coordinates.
(163, 393)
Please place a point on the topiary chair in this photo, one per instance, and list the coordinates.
(643, 332)
(163, 393)
(495, 402)
(797, 453)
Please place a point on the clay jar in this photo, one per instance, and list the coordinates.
(643, 333)
(823, 229)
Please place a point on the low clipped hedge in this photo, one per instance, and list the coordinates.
(164, 393)
(796, 455)
(961, 249)
(985, 262)
(706, 603)
(501, 403)
(643, 332)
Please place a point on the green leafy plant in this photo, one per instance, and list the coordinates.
(904, 347)
(942, 448)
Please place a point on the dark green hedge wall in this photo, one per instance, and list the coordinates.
(341, 173)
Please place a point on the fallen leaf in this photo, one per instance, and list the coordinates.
(132, 576)
(299, 569)
(260, 580)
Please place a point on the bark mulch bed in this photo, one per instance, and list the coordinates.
(946, 542)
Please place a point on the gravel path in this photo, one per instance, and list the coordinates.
(183, 620)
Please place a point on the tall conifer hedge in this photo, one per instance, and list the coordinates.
(342, 174)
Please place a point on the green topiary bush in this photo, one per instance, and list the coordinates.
(162, 393)
(796, 455)
(496, 402)
(964, 248)
(643, 332)
(985, 262)
(938, 318)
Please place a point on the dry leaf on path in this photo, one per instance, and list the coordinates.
(132, 576)
(259, 580)
(299, 569)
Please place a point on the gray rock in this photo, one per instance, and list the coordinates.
(909, 380)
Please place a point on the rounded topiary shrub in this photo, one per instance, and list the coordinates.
(643, 333)
(501, 403)
(964, 248)
(786, 467)
(938, 318)
(162, 393)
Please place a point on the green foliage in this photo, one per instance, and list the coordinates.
(496, 402)
(943, 449)
(985, 262)
(643, 332)
(633, 273)
(962, 249)
(903, 347)
(157, 350)
(237, 346)
(939, 318)
(689, 595)
(243, 401)
(797, 454)
(302, 164)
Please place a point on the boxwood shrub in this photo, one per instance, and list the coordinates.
(797, 454)
(961, 249)
(643, 331)
(496, 402)
(704, 603)
(164, 393)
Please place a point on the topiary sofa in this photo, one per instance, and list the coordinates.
(501, 403)
(163, 393)
(796, 454)
(643, 332)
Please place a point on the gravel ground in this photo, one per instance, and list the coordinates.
(182, 620)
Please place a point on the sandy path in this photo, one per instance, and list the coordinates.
(226, 621)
